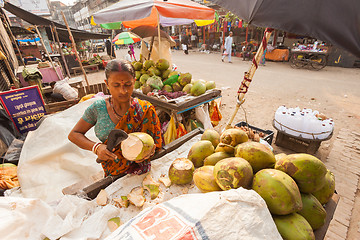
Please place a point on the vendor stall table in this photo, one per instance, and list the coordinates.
(183, 106)
(48, 74)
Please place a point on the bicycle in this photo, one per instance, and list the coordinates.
(315, 60)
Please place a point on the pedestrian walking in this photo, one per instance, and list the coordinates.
(185, 43)
(110, 49)
(228, 47)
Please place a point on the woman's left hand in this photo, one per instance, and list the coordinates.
(148, 156)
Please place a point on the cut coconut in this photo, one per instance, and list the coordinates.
(102, 198)
(152, 186)
(136, 196)
(181, 171)
(114, 223)
(166, 181)
(122, 202)
(137, 146)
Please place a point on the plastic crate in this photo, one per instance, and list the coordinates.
(269, 134)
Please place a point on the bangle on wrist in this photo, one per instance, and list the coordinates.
(94, 147)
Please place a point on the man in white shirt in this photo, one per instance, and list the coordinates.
(129, 56)
(228, 47)
(64, 89)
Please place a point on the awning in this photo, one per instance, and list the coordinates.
(79, 35)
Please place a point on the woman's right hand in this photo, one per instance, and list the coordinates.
(104, 154)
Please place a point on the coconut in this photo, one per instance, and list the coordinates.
(136, 196)
(198, 88)
(137, 146)
(327, 191)
(137, 85)
(216, 157)
(177, 87)
(307, 170)
(312, 211)
(146, 89)
(187, 88)
(162, 64)
(165, 74)
(181, 171)
(166, 181)
(138, 66)
(199, 151)
(212, 136)
(137, 75)
(122, 202)
(233, 172)
(233, 137)
(114, 223)
(204, 179)
(210, 85)
(222, 147)
(144, 78)
(147, 64)
(174, 73)
(279, 190)
(102, 198)
(167, 88)
(257, 154)
(279, 156)
(152, 186)
(294, 226)
(184, 79)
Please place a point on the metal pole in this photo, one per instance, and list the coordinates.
(43, 44)
(74, 46)
(61, 52)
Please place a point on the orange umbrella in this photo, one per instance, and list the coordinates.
(133, 13)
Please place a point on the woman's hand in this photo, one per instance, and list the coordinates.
(148, 156)
(104, 154)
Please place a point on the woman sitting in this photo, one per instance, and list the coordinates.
(119, 111)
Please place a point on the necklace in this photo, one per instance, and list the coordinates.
(118, 116)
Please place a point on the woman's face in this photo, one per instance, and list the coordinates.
(121, 86)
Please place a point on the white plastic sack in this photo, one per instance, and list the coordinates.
(22, 218)
(49, 162)
(70, 218)
(202, 114)
(234, 214)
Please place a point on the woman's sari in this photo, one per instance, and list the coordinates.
(141, 117)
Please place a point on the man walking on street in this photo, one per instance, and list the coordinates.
(228, 47)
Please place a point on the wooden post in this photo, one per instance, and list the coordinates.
(13, 38)
(159, 37)
(74, 46)
(151, 46)
(53, 37)
(43, 44)
(111, 43)
(249, 75)
(223, 39)
(8, 65)
(61, 52)
(247, 32)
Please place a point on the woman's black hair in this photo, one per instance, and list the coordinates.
(119, 66)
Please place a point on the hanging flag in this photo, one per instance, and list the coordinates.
(229, 26)
(240, 24)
